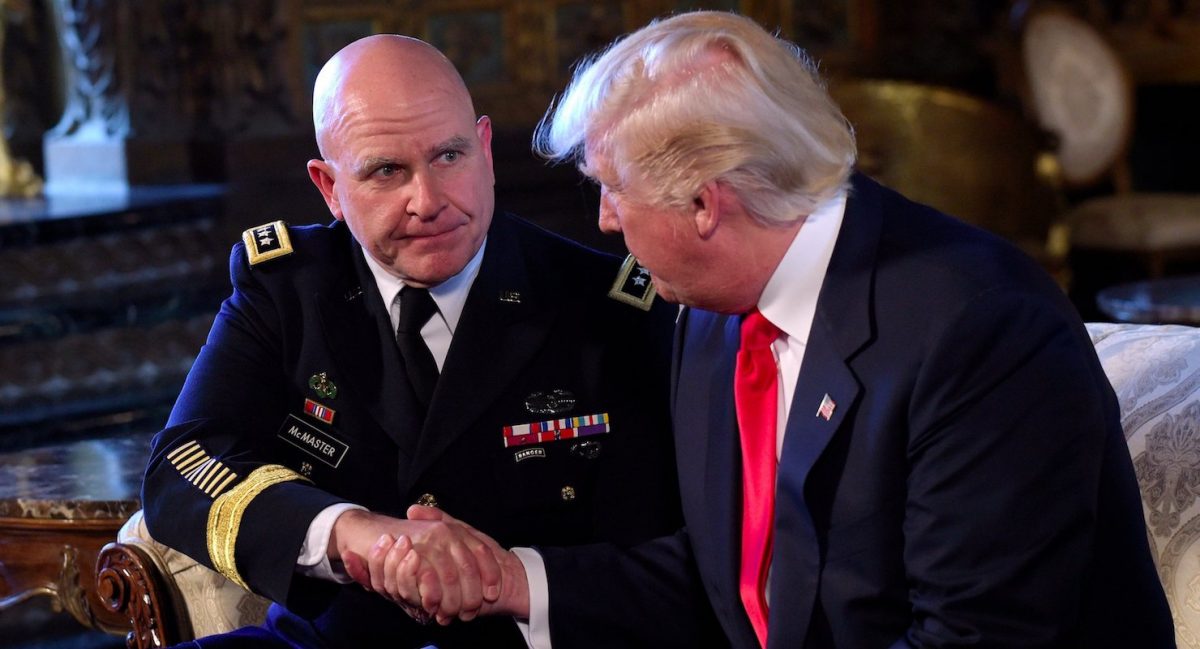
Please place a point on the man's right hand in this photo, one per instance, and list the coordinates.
(443, 567)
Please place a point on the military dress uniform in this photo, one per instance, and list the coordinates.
(548, 424)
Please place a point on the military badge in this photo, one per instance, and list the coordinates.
(526, 453)
(633, 285)
(555, 429)
(321, 384)
(318, 411)
(197, 467)
(266, 242)
(588, 450)
(554, 402)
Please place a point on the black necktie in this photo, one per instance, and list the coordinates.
(416, 307)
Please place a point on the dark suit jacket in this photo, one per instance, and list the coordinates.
(318, 310)
(972, 486)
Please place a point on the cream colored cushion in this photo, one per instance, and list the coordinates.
(1137, 222)
(1155, 371)
(214, 604)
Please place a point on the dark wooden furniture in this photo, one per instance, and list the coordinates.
(59, 505)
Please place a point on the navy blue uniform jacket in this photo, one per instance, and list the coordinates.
(972, 487)
(537, 319)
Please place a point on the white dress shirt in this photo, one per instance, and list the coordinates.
(789, 300)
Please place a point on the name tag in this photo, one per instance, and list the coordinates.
(313, 441)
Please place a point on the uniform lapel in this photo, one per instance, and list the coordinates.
(841, 327)
(494, 341)
(358, 332)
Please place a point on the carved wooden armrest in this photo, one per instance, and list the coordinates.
(131, 582)
(166, 595)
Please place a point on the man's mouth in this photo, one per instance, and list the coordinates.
(428, 236)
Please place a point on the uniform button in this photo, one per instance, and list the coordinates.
(568, 493)
(427, 500)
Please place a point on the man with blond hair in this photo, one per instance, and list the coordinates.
(891, 427)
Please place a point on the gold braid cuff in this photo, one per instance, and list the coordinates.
(225, 516)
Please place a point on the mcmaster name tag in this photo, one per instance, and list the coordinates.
(313, 441)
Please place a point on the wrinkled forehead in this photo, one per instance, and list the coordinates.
(423, 117)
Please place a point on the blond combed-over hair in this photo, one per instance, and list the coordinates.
(706, 96)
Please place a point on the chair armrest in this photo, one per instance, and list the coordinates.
(130, 583)
(176, 597)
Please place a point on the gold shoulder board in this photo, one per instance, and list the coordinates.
(633, 285)
(267, 241)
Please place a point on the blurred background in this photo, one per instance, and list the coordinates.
(141, 138)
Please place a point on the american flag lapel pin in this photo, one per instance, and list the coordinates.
(825, 410)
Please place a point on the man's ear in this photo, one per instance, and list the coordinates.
(322, 176)
(707, 208)
(483, 130)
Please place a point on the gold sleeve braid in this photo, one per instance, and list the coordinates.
(225, 516)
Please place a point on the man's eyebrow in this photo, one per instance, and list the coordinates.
(456, 143)
(600, 176)
(365, 166)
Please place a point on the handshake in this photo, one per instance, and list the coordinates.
(432, 565)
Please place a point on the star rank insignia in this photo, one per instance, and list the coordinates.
(267, 242)
(633, 285)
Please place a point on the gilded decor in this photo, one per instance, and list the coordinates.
(515, 55)
(958, 153)
(17, 177)
(1159, 39)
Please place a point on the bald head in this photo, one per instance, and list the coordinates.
(382, 68)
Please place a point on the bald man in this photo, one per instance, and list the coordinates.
(529, 399)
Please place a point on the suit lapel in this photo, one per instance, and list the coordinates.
(494, 341)
(708, 447)
(358, 332)
(841, 327)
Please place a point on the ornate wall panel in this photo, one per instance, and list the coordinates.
(1159, 39)
(516, 54)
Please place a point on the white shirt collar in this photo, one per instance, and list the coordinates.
(450, 296)
(789, 299)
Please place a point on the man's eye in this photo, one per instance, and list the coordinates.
(449, 156)
(387, 170)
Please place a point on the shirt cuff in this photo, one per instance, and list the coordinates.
(537, 628)
(314, 554)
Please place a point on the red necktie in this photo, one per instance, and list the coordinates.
(756, 399)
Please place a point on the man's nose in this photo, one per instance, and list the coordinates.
(609, 223)
(427, 199)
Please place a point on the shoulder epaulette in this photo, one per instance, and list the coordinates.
(633, 285)
(267, 241)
